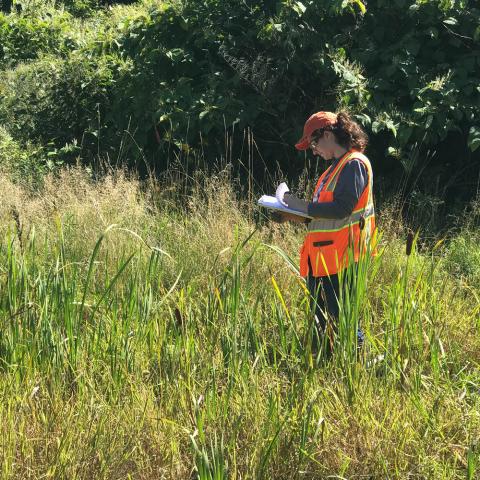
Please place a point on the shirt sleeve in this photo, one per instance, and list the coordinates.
(350, 185)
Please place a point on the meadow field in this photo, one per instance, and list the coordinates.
(153, 323)
(154, 331)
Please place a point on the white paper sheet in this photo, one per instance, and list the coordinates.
(281, 190)
(272, 203)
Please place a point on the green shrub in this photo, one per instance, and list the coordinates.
(463, 257)
(401, 67)
(26, 164)
(89, 8)
(60, 103)
(26, 37)
(177, 74)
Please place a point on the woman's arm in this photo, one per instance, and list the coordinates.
(350, 185)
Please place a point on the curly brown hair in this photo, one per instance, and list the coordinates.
(348, 133)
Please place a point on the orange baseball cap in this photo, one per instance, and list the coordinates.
(317, 120)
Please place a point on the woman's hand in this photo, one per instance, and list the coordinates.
(296, 203)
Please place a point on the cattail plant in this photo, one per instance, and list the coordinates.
(409, 244)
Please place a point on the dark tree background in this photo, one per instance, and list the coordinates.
(176, 80)
(6, 5)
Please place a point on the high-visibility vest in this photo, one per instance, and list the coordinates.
(327, 241)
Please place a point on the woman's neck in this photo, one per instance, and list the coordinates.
(338, 153)
(336, 158)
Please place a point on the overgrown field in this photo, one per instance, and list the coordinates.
(149, 331)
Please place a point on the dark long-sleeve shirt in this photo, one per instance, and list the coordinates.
(350, 185)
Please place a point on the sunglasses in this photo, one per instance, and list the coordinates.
(314, 142)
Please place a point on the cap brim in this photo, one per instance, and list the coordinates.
(303, 144)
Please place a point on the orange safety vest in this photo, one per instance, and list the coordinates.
(327, 241)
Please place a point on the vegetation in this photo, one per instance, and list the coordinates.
(153, 322)
(146, 81)
(150, 333)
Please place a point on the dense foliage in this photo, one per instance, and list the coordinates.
(157, 76)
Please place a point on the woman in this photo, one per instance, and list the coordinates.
(341, 209)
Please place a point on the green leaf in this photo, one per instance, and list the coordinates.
(451, 21)
(391, 126)
(393, 152)
(299, 7)
(376, 127)
(361, 5)
(363, 118)
(473, 141)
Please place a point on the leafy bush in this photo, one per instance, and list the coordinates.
(463, 257)
(186, 73)
(25, 37)
(88, 8)
(26, 164)
(60, 103)
(422, 59)
(410, 77)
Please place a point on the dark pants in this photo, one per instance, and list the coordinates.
(324, 298)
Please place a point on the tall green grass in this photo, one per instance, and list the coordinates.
(168, 336)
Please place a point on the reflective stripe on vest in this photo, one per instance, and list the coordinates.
(332, 181)
(320, 184)
(325, 248)
(334, 225)
(331, 176)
